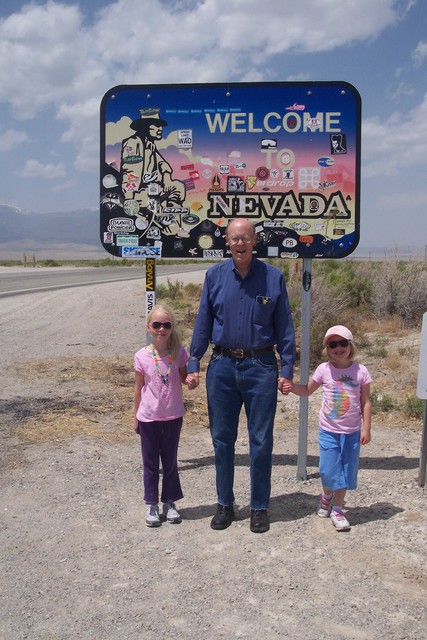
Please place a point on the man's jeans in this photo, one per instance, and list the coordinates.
(231, 382)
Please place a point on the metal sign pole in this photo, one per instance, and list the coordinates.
(304, 369)
(422, 478)
(150, 288)
(422, 394)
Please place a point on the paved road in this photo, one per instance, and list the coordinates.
(15, 281)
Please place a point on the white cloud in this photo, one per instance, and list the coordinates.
(64, 186)
(399, 201)
(53, 62)
(48, 56)
(11, 138)
(396, 142)
(394, 219)
(39, 56)
(420, 53)
(401, 91)
(210, 37)
(34, 169)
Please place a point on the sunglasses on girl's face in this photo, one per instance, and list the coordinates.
(333, 344)
(165, 325)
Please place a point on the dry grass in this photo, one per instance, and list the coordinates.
(93, 397)
(78, 396)
(87, 397)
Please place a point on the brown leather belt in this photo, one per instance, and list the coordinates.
(242, 353)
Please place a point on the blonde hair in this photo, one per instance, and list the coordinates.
(174, 340)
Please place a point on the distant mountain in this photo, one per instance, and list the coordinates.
(75, 234)
(76, 226)
(52, 234)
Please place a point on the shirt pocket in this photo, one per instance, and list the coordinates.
(263, 312)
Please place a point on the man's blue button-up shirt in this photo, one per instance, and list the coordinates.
(247, 313)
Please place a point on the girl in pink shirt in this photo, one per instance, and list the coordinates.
(160, 370)
(344, 420)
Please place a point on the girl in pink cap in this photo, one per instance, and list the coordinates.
(344, 421)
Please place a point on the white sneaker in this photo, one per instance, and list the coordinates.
(325, 506)
(152, 516)
(170, 513)
(339, 521)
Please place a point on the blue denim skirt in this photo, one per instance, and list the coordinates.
(339, 459)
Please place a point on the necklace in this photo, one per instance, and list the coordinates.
(163, 376)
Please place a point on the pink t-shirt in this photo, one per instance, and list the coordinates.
(160, 401)
(341, 408)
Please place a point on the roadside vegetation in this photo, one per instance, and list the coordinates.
(101, 262)
(382, 302)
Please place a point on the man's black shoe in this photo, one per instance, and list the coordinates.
(259, 521)
(223, 518)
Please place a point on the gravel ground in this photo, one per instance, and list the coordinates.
(77, 560)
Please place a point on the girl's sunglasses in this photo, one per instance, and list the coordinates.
(165, 325)
(333, 344)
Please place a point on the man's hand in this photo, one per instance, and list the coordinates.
(284, 385)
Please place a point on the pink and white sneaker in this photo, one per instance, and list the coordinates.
(325, 505)
(339, 520)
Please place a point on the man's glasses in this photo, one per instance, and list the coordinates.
(165, 325)
(333, 344)
(245, 239)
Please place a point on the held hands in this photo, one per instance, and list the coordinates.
(192, 380)
(285, 385)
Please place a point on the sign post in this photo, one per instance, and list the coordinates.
(150, 288)
(304, 368)
(178, 162)
(422, 393)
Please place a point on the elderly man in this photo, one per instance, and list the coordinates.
(244, 311)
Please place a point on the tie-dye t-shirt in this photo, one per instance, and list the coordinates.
(341, 408)
(160, 401)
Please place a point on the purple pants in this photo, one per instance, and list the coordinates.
(159, 441)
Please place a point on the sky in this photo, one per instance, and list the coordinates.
(58, 60)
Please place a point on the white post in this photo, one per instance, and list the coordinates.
(422, 393)
(304, 368)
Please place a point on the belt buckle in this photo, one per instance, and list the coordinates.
(237, 353)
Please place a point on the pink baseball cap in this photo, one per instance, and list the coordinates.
(338, 330)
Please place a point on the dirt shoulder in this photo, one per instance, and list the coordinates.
(78, 561)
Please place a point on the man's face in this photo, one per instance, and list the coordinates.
(241, 239)
(155, 132)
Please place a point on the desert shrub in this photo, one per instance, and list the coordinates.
(381, 402)
(400, 289)
(50, 263)
(326, 310)
(294, 293)
(170, 290)
(353, 279)
(283, 265)
(111, 262)
(179, 304)
(192, 291)
(286, 269)
(378, 349)
(414, 407)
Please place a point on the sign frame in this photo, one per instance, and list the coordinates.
(178, 162)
